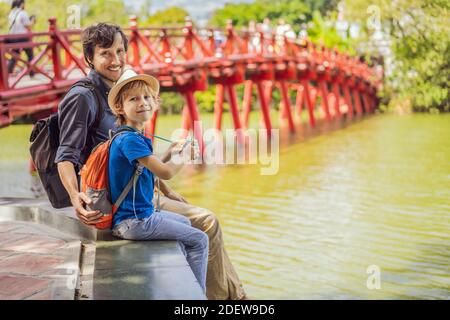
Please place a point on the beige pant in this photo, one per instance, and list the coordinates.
(222, 281)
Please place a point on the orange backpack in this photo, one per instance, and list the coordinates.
(94, 182)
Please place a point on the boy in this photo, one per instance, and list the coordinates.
(133, 99)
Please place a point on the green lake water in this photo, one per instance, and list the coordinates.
(371, 194)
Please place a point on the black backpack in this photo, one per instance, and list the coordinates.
(44, 140)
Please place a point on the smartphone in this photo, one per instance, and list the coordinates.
(186, 143)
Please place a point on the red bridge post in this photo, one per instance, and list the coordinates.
(337, 100)
(264, 108)
(218, 106)
(55, 49)
(3, 67)
(287, 105)
(310, 102)
(195, 120)
(247, 102)
(299, 100)
(235, 112)
(134, 44)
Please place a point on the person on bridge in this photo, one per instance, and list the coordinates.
(20, 23)
(104, 48)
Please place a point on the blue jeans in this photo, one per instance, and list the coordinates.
(165, 225)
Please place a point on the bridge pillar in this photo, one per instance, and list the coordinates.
(299, 100)
(247, 102)
(337, 99)
(268, 85)
(55, 49)
(348, 101)
(323, 87)
(287, 105)
(218, 106)
(195, 120)
(134, 43)
(3, 67)
(264, 107)
(310, 102)
(364, 92)
(186, 122)
(235, 112)
(357, 99)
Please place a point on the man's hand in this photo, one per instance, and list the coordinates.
(175, 196)
(68, 177)
(88, 217)
(170, 193)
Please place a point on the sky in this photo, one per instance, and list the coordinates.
(199, 10)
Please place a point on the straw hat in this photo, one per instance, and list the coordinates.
(128, 76)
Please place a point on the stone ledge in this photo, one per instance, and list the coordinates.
(112, 268)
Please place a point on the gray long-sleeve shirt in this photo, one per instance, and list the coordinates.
(77, 113)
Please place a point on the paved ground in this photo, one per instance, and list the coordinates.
(49, 254)
(37, 262)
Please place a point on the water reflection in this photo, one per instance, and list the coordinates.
(347, 196)
(375, 193)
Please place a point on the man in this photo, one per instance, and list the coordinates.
(20, 23)
(104, 47)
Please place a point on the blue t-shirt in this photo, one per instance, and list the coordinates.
(124, 152)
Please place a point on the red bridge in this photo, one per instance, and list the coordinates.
(186, 60)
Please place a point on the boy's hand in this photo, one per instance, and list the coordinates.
(177, 147)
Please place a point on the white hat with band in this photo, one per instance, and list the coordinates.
(128, 76)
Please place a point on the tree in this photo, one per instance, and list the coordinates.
(323, 30)
(167, 17)
(90, 12)
(294, 12)
(145, 10)
(4, 12)
(420, 44)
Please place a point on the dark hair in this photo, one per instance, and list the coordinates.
(101, 35)
(17, 3)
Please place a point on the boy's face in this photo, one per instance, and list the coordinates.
(138, 106)
(109, 62)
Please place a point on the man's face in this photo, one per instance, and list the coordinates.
(109, 62)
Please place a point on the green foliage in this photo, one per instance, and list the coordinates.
(4, 11)
(293, 12)
(170, 16)
(93, 11)
(323, 30)
(113, 11)
(420, 44)
(206, 99)
(171, 102)
(240, 13)
(144, 11)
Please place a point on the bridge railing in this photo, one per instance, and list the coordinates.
(55, 53)
(187, 60)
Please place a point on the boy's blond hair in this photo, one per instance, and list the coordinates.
(138, 85)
